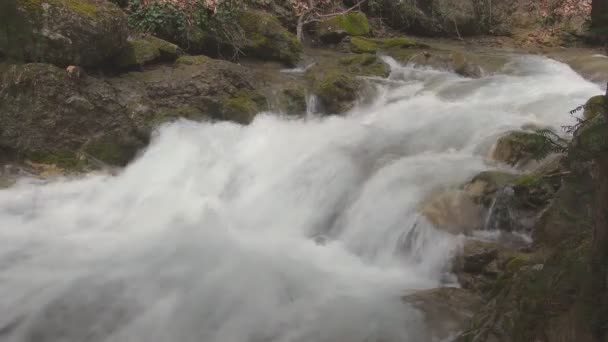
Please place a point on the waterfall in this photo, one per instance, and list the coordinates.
(284, 230)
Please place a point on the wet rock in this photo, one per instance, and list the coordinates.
(374, 45)
(47, 117)
(447, 311)
(483, 187)
(337, 91)
(293, 100)
(333, 30)
(64, 32)
(365, 65)
(268, 39)
(476, 256)
(145, 50)
(594, 107)
(477, 265)
(456, 62)
(196, 87)
(518, 148)
(453, 211)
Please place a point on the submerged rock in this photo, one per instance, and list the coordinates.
(64, 32)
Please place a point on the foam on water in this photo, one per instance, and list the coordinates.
(284, 230)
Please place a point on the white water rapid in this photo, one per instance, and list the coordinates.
(282, 231)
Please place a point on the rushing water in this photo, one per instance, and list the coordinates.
(285, 230)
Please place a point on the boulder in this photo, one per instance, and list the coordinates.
(64, 32)
(140, 51)
(48, 117)
(477, 265)
(333, 30)
(338, 91)
(483, 187)
(266, 38)
(595, 106)
(365, 65)
(453, 211)
(374, 45)
(292, 100)
(456, 62)
(443, 18)
(518, 147)
(476, 256)
(447, 311)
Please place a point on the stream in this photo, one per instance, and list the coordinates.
(286, 230)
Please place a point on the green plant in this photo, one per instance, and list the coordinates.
(189, 21)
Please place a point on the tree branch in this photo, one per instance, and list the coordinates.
(358, 4)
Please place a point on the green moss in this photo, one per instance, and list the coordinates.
(111, 151)
(243, 106)
(497, 178)
(137, 53)
(142, 51)
(32, 7)
(595, 106)
(373, 45)
(530, 181)
(168, 51)
(268, 39)
(591, 138)
(294, 100)
(354, 24)
(362, 45)
(186, 111)
(365, 65)
(365, 59)
(192, 60)
(84, 7)
(337, 91)
(62, 159)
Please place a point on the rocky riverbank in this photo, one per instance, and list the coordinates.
(80, 91)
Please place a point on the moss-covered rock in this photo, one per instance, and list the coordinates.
(293, 100)
(337, 91)
(47, 117)
(437, 17)
(146, 50)
(594, 107)
(192, 60)
(243, 106)
(334, 29)
(112, 150)
(483, 187)
(519, 147)
(373, 45)
(365, 65)
(63, 32)
(268, 39)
